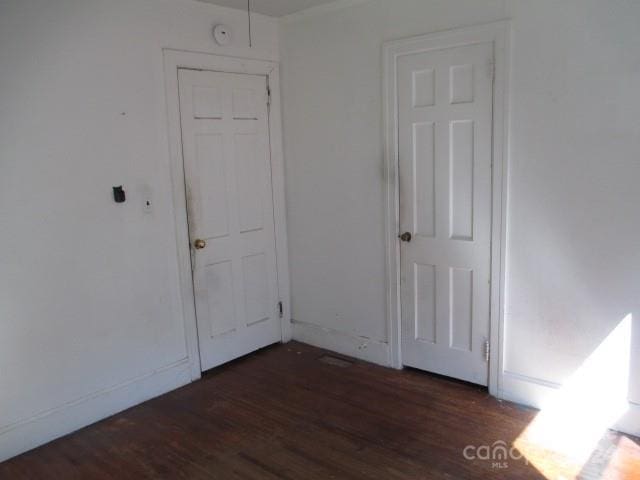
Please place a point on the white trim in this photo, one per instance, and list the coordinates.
(364, 348)
(173, 60)
(498, 33)
(279, 201)
(48, 425)
(320, 10)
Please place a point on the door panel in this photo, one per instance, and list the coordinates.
(212, 185)
(424, 219)
(425, 306)
(461, 180)
(225, 137)
(444, 134)
(251, 178)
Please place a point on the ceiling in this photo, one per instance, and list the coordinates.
(273, 8)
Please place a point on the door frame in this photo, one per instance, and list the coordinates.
(497, 33)
(178, 59)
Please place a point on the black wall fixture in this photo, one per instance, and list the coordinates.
(118, 194)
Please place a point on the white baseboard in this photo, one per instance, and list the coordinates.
(533, 391)
(363, 348)
(46, 426)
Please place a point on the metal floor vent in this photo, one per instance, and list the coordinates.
(335, 361)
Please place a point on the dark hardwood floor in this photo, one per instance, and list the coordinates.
(290, 412)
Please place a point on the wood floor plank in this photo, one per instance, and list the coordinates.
(282, 413)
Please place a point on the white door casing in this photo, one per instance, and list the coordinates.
(227, 171)
(444, 152)
(497, 34)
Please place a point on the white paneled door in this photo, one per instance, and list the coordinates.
(225, 138)
(444, 145)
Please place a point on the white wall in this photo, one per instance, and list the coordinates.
(332, 91)
(90, 313)
(573, 246)
(573, 256)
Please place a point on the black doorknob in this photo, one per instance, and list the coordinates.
(405, 237)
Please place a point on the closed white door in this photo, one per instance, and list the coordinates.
(444, 134)
(225, 138)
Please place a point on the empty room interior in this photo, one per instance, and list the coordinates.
(319, 239)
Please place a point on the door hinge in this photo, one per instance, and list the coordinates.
(268, 95)
(487, 350)
(492, 70)
(280, 310)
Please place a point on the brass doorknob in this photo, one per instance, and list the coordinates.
(405, 237)
(199, 244)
